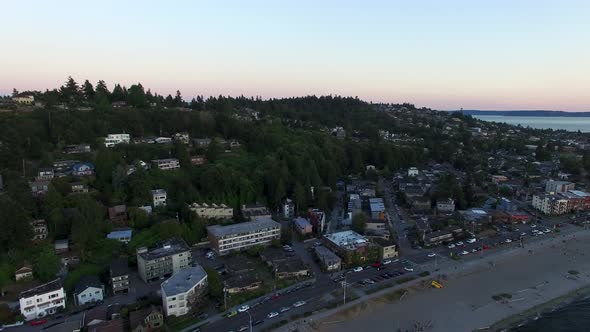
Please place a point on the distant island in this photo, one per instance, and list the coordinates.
(527, 113)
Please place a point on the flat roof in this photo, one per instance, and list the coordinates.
(165, 248)
(347, 239)
(243, 227)
(183, 280)
(120, 234)
(579, 193)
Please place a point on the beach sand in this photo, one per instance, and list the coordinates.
(465, 303)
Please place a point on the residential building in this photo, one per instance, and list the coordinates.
(302, 226)
(183, 290)
(291, 268)
(117, 213)
(198, 160)
(39, 229)
(115, 139)
(79, 188)
(241, 236)
(317, 218)
(24, 273)
(377, 208)
(577, 200)
(159, 197)
(64, 167)
(202, 142)
(288, 208)
(559, 186)
(445, 205)
(61, 246)
(75, 149)
(387, 248)
(88, 290)
(45, 174)
(182, 137)
(499, 179)
(43, 300)
(166, 164)
(420, 203)
(39, 187)
(24, 99)
(506, 205)
(119, 276)
(242, 282)
(413, 171)
(212, 211)
(251, 212)
(83, 169)
(329, 261)
(550, 204)
(163, 140)
(121, 235)
(146, 320)
(438, 237)
(164, 259)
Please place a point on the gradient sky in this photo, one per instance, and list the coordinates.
(444, 54)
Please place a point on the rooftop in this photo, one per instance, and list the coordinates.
(85, 282)
(158, 192)
(119, 267)
(347, 239)
(126, 233)
(183, 280)
(243, 228)
(43, 289)
(165, 248)
(326, 254)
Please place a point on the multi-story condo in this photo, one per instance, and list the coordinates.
(225, 239)
(115, 139)
(119, 276)
(559, 186)
(181, 292)
(164, 259)
(288, 208)
(159, 197)
(39, 229)
(42, 300)
(212, 211)
(45, 174)
(550, 204)
(166, 164)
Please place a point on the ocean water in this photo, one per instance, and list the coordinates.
(569, 318)
(542, 122)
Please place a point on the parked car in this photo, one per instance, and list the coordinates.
(387, 261)
(258, 322)
(472, 240)
(244, 328)
(38, 322)
(460, 243)
(508, 241)
(231, 314)
(272, 314)
(431, 254)
(377, 265)
(243, 308)
(210, 255)
(358, 269)
(464, 252)
(299, 304)
(284, 309)
(451, 246)
(409, 269)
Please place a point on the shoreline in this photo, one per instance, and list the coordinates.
(540, 310)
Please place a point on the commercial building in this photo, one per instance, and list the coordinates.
(115, 139)
(119, 276)
(163, 260)
(159, 197)
(329, 261)
(241, 236)
(43, 300)
(212, 211)
(558, 186)
(166, 164)
(377, 208)
(181, 291)
(352, 247)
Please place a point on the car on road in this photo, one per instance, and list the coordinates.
(231, 314)
(546, 230)
(387, 261)
(464, 252)
(244, 328)
(258, 322)
(409, 268)
(377, 265)
(473, 250)
(431, 254)
(299, 304)
(276, 296)
(243, 308)
(284, 309)
(451, 246)
(38, 322)
(460, 243)
(533, 226)
(272, 314)
(358, 269)
(472, 240)
(210, 255)
(508, 241)
(523, 234)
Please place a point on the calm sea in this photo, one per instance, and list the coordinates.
(572, 317)
(542, 122)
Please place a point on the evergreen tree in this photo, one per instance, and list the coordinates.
(88, 91)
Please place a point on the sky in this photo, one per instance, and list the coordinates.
(443, 54)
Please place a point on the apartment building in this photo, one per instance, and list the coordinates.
(162, 260)
(159, 197)
(550, 204)
(119, 276)
(445, 205)
(39, 229)
(183, 290)
(329, 260)
(212, 211)
(225, 239)
(166, 164)
(43, 300)
(559, 186)
(115, 139)
(288, 208)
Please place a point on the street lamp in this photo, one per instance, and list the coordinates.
(250, 319)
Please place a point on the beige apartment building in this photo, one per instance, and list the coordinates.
(236, 237)
(163, 260)
(212, 211)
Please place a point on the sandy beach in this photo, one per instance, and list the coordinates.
(528, 277)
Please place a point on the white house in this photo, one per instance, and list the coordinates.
(159, 197)
(413, 171)
(42, 300)
(181, 291)
(288, 208)
(88, 290)
(114, 139)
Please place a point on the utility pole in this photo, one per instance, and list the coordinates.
(344, 283)
(225, 298)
